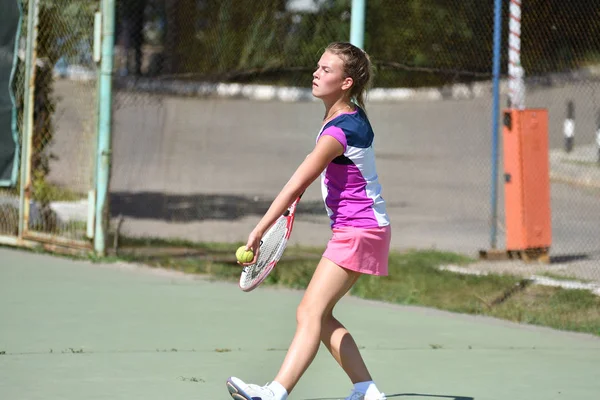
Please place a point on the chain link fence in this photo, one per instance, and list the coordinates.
(562, 65)
(60, 142)
(214, 113)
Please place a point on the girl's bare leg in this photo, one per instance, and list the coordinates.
(343, 348)
(328, 285)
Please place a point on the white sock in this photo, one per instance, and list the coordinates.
(278, 390)
(368, 388)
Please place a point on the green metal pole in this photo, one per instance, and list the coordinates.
(28, 106)
(357, 23)
(103, 155)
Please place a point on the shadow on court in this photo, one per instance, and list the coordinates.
(74, 330)
(196, 207)
(416, 395)
(430, 396)
(569, 258)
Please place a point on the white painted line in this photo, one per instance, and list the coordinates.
(535, 279)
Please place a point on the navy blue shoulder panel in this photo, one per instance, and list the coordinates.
(356, 127)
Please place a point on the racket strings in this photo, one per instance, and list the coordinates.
(273, 244)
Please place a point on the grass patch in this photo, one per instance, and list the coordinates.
(415, 279)
(47, 192)
(566, 309)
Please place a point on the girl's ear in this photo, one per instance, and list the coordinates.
(347, 84)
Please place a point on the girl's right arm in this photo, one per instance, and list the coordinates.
(326, 149)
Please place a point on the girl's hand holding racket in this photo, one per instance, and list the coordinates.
(254, 245)
(267, 248)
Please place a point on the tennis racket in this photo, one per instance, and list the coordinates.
(271, 249)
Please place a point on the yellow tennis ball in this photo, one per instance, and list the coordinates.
(243, 255)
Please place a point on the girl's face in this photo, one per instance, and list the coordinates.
(329, 80)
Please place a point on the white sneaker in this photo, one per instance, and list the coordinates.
(361, 396)
(244, 391)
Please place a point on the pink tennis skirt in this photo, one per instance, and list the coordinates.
(361, 250)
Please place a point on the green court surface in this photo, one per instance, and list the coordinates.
(73, 330)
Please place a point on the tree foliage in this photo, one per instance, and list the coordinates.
(440, 35)
(559, 35)
(453, 39)
(412, 42)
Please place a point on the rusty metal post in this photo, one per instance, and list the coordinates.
(28, 107)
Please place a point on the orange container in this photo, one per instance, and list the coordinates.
(527, 179)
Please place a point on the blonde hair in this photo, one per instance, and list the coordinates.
(357, 65)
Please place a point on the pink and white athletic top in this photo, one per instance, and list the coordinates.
(349, 184)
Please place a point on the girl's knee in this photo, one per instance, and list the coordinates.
(308, 312)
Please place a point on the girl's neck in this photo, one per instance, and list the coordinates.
(336, 109)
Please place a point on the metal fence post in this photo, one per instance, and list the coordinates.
(28, 107)
(357, 23)
(495, 121)
(569, 127)
(103, 155)
(598, 136)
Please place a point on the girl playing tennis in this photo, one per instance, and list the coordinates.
(345, 159)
